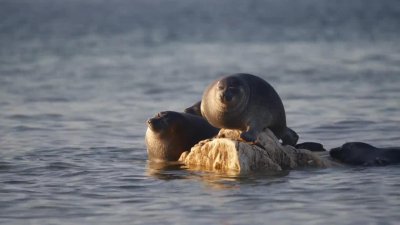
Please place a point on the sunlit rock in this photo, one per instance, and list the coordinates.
(228, 153)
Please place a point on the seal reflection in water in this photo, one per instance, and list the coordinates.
(171, 133)
(247, 103)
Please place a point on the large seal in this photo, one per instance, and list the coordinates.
(171, 133)
(363, 154)
(247, 103)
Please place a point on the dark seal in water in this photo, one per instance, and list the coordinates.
(359, 153)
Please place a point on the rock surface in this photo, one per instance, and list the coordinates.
(228, 153)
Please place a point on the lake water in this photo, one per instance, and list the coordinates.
(78, 79)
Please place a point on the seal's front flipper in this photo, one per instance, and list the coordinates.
(248, 136)
(290, 137)
(194, 109)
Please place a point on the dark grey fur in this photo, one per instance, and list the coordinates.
(245, 102)
(359, 153)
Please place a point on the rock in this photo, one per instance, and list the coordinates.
(228, 153)
(312, 146)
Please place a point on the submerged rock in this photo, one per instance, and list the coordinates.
(227, 152)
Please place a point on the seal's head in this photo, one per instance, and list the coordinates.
(229, 91)
(162, 136)
(170, 133)
(224, 101)
(355, 153)
(166, 122)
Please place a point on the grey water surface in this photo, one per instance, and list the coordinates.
(78, 79)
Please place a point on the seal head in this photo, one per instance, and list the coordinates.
(363, 154)
(170, 133)
(225, 101)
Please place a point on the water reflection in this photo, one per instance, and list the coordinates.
(165, 170)
(220, 180)
(223, 181)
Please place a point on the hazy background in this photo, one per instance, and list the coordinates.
(160, 21)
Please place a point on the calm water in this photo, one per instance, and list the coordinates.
(78, 79)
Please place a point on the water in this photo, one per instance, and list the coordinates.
(78, 80)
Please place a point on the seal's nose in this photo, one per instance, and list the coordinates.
(151, 121)
(226, 96)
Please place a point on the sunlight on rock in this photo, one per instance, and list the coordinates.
(228, 153)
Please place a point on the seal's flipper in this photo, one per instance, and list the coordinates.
(248, 136)
(194, 109)
(290, 137)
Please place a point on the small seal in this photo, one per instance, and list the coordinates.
(171, 133)
(363, 154)
(247, 103)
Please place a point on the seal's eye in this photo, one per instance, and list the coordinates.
(233, 90)
(233, 83)
(162, 114)
(221, 86)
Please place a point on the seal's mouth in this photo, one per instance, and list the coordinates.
(226, 97)
(151, 123)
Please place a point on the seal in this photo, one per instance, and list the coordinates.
(194, 109)
(363, 154)
(170, 133)
(245, 102)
